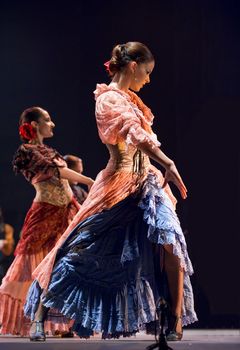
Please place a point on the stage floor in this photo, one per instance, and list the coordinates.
(221, 339)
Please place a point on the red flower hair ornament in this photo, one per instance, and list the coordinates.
(106, 65)
(27, 132)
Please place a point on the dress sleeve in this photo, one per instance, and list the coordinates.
(33, 164)
(117, 121)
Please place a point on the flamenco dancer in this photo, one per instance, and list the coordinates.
(50, 214)
(104, 272)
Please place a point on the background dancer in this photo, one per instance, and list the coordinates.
(76, 164)
(52, 210)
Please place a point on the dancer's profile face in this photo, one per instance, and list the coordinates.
(45, 125)
(140, 74)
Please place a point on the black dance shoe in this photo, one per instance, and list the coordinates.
(38, 334)
(69, 334)
(171, 333)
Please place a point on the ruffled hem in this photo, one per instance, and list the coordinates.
(21, 271)
(13, 292)
(164, 228)
(92, 283)
(14, 322)
(11, 316)
(161, 218)
(103, 276)
(115, 314)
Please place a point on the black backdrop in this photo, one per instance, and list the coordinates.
(52, 55)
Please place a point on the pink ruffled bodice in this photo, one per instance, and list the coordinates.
(120, 120)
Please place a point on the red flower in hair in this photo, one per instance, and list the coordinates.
(106, 65)
(27, 132)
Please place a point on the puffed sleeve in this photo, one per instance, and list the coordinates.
(34, 164)
(117, 121)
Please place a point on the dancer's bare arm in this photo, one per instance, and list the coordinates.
(171, 173)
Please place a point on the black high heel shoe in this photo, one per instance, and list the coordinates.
(38, 334)
(171, 333)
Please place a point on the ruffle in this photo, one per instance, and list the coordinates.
(119, 120)
(15, 284)
(161, 218)
(14, 322)
(96, 278)
(13, 292)
(36, 162)
(114, 313)
(103, 276)
(101, 88)
(131, 97)
(164, 228)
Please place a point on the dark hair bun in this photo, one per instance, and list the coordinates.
(122, 54)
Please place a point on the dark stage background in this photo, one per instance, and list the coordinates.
(52, 55)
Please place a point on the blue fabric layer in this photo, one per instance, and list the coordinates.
(161, 218)
(104, 276)
(163, 227)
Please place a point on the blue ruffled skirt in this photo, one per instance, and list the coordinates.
(105, 276)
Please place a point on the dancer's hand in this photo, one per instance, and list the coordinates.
(172, 175)
(90, 183)
(60, 162)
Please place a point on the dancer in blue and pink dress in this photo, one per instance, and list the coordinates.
(105, 271)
